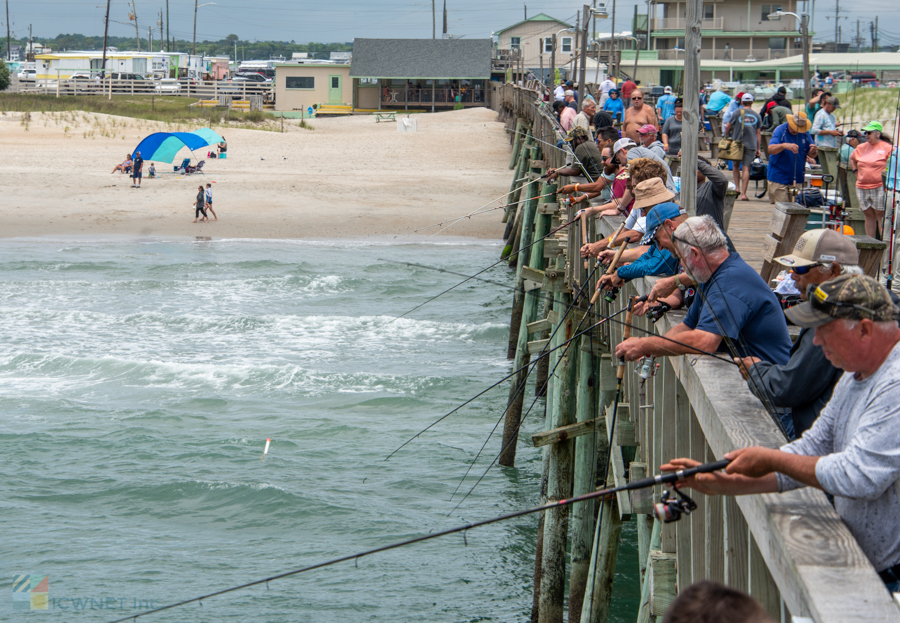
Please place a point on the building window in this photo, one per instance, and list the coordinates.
(368, 80)
(335, 82)
(777, 43)
(548, 45)
(567, 44)
(770, 8)
(679, 43)
(515, 43)
(299, 82)
(709, 11)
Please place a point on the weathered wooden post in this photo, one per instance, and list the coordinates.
(525, 218)
(691, 126)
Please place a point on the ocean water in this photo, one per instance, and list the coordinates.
(140, 379)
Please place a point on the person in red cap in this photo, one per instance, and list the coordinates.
(648, 138)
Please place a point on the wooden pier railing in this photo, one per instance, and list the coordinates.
(791, 551)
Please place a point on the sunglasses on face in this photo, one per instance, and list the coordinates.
(802, 270)
(637, 98)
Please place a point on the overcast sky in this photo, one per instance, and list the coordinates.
(342, 20)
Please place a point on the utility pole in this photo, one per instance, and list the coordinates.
(445, 17)
(526, 12)
(858, 39)
(582, 67)
(433, 20)
(875, 36)
(8, 53)
(150, 37)
(804, 31)
(169, 32)
(611, 65)
(159, 24)
(105, 33)
(194, 46)
(837, 21)
(137, 34)
(691, 125)
(553, 66)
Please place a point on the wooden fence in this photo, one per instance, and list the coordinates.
(791, 551)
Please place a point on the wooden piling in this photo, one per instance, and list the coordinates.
(526, 222)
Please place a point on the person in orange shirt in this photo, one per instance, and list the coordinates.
(638, 116)
(869, 161)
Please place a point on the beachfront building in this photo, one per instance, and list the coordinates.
(532, 38)
(420, 73)
(298, 86)
(148, 64)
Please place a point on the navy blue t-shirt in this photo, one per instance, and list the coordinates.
(746, 310)
(786, 167)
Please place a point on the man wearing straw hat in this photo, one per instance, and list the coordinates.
(789, 148)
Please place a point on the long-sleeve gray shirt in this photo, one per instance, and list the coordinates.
(857, 436)
(711, 193)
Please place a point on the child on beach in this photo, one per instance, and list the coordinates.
(200, 205)
(151, 172)
(209, 202)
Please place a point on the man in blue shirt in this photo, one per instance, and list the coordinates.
(735, 309)
(665, 105)
(717, 101)
(789, 148)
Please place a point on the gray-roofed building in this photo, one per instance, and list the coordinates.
(433, 72)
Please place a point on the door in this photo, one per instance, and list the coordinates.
(335, 92)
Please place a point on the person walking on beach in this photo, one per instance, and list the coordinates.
(200, 205)
(136, 170)
(209, 202)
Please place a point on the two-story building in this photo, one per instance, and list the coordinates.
(533, 39)
(733, 30)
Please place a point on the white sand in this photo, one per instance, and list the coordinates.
(349, 177)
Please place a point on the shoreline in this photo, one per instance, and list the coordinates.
(347, 178)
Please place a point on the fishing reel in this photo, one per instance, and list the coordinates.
(646, 367)
(655, 313)
(789, 300)
(670, 509)
(610, 295)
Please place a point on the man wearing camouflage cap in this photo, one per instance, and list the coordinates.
(852, 450)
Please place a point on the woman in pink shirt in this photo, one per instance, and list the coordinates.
(869, 161)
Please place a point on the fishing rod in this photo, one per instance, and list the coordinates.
(498, 262)
(890, 267)
(643, 483)
(454, 221)
(611, 318)
(521, 388)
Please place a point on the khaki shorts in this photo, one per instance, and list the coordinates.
(780, 192)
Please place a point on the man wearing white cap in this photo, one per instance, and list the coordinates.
(665, 105)
(746, 128)
(804, 384)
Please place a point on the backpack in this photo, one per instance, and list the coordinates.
(758, 170)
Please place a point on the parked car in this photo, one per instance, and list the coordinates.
(168, 86)
(252, 76)
(27, 75)
(82, 81)
(128, 83)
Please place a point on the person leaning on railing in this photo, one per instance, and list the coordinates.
(852, 450)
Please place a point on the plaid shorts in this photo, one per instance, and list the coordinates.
(871, 198)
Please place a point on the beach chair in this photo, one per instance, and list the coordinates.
(197, 169)
(183, 166)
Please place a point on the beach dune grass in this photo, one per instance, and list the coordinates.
(164, 109)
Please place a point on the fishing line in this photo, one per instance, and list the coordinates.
(485, 211)
(643, 483)
(498, 262)
(522, 386)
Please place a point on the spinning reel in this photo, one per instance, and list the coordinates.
(647, 368)
(610, 295)
(670, 509)
(655, 313)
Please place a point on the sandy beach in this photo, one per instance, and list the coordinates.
(349, 177)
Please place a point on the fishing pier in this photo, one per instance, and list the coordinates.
(790, 551)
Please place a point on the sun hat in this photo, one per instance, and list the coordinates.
(821, 245)
(873, 125)
(623, 143)
(747, 97)
(853, 297)
(798, 122)
(648, 128)
(576, 132)
(650, 193)
(834, 102)
(658, 215)
(667, 90)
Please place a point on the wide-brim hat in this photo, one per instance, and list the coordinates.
(650, 193)
(798, 122)
(576, 132)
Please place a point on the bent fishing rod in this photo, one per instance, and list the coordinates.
(644, 483)
(497, 263)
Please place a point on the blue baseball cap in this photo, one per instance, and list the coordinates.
(658, 215)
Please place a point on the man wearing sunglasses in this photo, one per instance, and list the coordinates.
(804, 384)
(638, 116)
